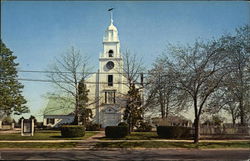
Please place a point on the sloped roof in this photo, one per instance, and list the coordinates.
(59, 106)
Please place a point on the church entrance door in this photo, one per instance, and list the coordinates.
(111, 118)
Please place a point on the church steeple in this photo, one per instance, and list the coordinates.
(111, 43)
(111, 34)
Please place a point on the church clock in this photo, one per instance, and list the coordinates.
(110, 65)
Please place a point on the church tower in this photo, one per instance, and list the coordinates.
(110, 78)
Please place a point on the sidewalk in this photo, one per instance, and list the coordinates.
(101, 134)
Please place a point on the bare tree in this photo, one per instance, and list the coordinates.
(223, 99)
(161, 90)
(198, 72)
(68, 71)
(237, 82)
(132, 68)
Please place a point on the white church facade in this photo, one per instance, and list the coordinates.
(107, 88)
(110, 86)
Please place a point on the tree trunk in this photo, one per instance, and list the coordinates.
(233, 118)
(242, 114)
(197, 130)
(76, 118)
(162, 105)
(130, 126)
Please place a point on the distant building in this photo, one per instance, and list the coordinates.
(58, 112)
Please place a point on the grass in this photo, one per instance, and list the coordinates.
(44, 135)
(38, 145)
(158, 144)
(138, 136)
(141, 136)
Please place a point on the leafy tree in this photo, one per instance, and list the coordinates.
(217, 120)
(11, 100)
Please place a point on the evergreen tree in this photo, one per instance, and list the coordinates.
(134, 109)
(83, 112)
(11, 100)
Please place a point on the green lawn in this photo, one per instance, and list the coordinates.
(138, 136)
(38, 145)
(44, 135)
(158, 144)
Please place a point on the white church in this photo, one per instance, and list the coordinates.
(107, 92)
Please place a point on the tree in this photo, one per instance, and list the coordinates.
(67, 73)
(131, 70)
(161, 89)
(11, 100)
(237, 82)
(198, 72)
(134, 110)
(84, 113)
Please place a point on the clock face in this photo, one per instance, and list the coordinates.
(110, 65)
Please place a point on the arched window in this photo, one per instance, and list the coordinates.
(111, 53)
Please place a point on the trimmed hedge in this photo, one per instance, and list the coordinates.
(93, 127)
(123, 124)
(174, 132)
(72, 131)
(144, 127)
(116, 131)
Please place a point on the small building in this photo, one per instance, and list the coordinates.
(58, 112)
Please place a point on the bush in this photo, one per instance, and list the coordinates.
(93, 127)
(123, 124)
(144, 127)
(173, 132)
(72, 131)
(116, 131)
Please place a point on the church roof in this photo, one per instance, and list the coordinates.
(59, 106)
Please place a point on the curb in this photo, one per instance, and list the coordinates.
(115, 149)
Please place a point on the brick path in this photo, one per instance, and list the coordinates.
(91, 141)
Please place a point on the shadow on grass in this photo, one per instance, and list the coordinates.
(156, 144)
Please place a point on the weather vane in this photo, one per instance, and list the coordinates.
(111, 15)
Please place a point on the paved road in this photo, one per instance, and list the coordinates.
(149, 154)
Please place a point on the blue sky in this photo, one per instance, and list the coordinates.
(37, 32)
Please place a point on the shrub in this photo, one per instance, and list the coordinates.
(93, 127)
(116, 131)
(123, 124)
(72, 131)
(173, 132)
(144, 127)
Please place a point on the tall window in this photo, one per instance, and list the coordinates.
(109, 97)
(111, 53)
(110, 80)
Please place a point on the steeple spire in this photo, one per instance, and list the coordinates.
(111, 15)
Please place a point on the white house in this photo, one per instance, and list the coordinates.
(107, 86)
(58, 112)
